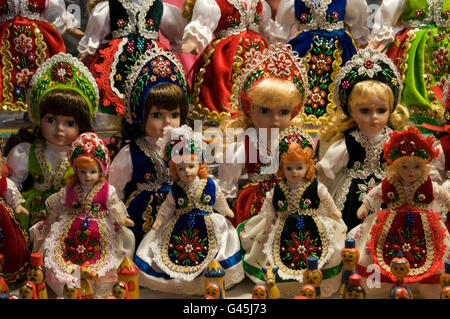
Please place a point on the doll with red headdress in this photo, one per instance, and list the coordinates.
(270, 92)
(408, 218)
(87, 220)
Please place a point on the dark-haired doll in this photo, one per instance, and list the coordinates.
(63, 102)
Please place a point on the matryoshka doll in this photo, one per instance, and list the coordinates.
(354, 290)
(350, 257)
(313, 275)
(400, 269)
(36, 274)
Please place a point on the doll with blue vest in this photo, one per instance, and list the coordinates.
(298, 220)
(192, 226)
(328, 35)
(156, 98)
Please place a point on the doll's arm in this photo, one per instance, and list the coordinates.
(96, 30)
(221, 204)
(166, 210)
(198, 33)
(56, 14)
(121, 171)
(441, 195)
(284, 20)
(268, 211)
(267, 25)
(55, 204)
(332, 162)
(385, 21)
(372, 201)
(327, 206)
(17, 162)
(437, 165)
(356, 18)
(14, 199)
(172, 26)
(117, 208)
(228, 177)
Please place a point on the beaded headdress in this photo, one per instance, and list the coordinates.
(277, 61)
(294, 134)
(90, 145)
(409, 142)
(180, 141)
(154, 67)
(366, 64)
(62, 71)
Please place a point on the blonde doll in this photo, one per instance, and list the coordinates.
(367, 90)
(412, 220)
(298, 219)
(87, 219)
(191, 228)
(270, 92)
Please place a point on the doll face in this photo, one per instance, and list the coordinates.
(295, 171)
(26, 291)
(59, 130)
(370, 114)
(312, 277)
(35, 275)
(444, 280)
(119, 291)
(400, 271)
(259, 293)
(187, 171)
(445, 294)
(89, 176)
(309, 292)
(159, 118)
(349, 257)
(410, 169)
(70, 292)
(271, 117)
(353, 294)
(213, 290)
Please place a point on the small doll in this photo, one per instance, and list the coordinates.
(36, 274)
(350, 257)
(191, 228)
(269, 93)
(410, 218)
(308, 291)
(14, 240)
(366, 90)
(298, 220)
(120, 290)
(419, 50)
(71, 290)
(117, 33)
(238, 27)
(400, 268)
(214, 291)
(214, 274)
(151, 106)
(87, 220)
(30, 34)
(64, 98)
(28, 291)
(260, 292)
(313, 275)
(354, 290)
(329, 33)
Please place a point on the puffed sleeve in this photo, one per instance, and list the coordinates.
(230, 171)
(13, 197)
(17, 162)
(56, 14)
(267, 210)
(55, 204)
(327, 205)
(221, 204)
(121, 171)
(267, 24)
(115, 206)
(334, 159)
(167, 208)
(205, 18)
(284, 20)
(373, 199)
(437, 165)
(172, 26)
(386, 19)
(96, 30)
(356, 15)
(440, 193)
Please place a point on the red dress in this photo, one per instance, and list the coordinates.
(26, 42)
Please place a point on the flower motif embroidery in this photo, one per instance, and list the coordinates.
(305, 18)
(149, 177)
(282, 205)
(95, 207)
(357, 166)
(345, 85)
(62, 72)
(280, 65)
(121, 24)
(419, 197)
(317, 97)
(232, 21)
(188, 248)
(333, 17)
(182, 202)
(23, 77)
(206, 199)
(420, 14)
(82, 247)
(367, 65)
(441, 58)
(161, 66)
(22, 43)
(150, 25)
(364, 189)
(305, 203)
(412, 246)
(446, 14)
(298, 248)
(321, 63)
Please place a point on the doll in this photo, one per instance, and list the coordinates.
(191, 228)
(419, 50)
(411, 221)
(120, 290)
(327, 32)
(87, 221)
(366, 90)
(445, 281)
(354, 290)
(238, 27)
(30, 33)
(400, 268)
(14, 240)
(133, 26)
(150, 107)
(298, 220)
(270, 92)
(350, 257)
(64, 98)
(71, 290)
(36, 274)
(28, 291)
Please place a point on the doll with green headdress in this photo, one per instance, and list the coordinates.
(63, 103)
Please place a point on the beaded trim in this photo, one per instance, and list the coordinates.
(148, 34)
(440, 21)
(194, 194)
(293, 202)
(86, 202)
(162, 171)
(246, 18)
(407, 197)
(129, 28)
(422, 22)
(114, 67)
(318, 18)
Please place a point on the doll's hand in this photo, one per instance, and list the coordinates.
(77, 33)
(20, 210)
(337, 214)
(190, 46)
(125, 221)
(83, 56)
(362, 212)
(229, 213)
(156, 224)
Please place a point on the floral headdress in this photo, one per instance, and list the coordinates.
(277, 61)
(294, 134)
(409, 142)
(366, 64)
(62, 71)
(154, 67)
(90, 145)
(180, 141)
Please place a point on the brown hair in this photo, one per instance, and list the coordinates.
(82, 162)
(294, 153)
(202, 169)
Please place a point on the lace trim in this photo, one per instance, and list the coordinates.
(440, 21)
(422, 22)
(194, 194)
(114, 70)
(56, 180)
(86, 202)
(293, 201)
(407, 197)
(141, 23)
(245, 17)
(318, 18)
(162, 171)
(131, 25)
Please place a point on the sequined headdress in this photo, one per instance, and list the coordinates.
(62, 71)
(294, 134)
(154, 67)
(277, 61)
(366, 64)
(90, 145)
(409, 142)
(181, 141)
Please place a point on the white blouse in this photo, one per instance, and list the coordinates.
(356, 14)
(172, 26)
(386, 18)
(13, 198)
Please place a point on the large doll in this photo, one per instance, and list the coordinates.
(30, 33)
(269, 93)
(151, 106)
(410, 219)
(297, 220)
(419, 50)
(329, 33)
(63, 103)
(191, 227)
(86, 224)
(129, 28)
(223, 31)
(367, 91)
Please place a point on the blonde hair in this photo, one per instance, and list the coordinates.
(83, 162)
(202, 169)
(392, 170)
(339, 122)
(294, 153)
